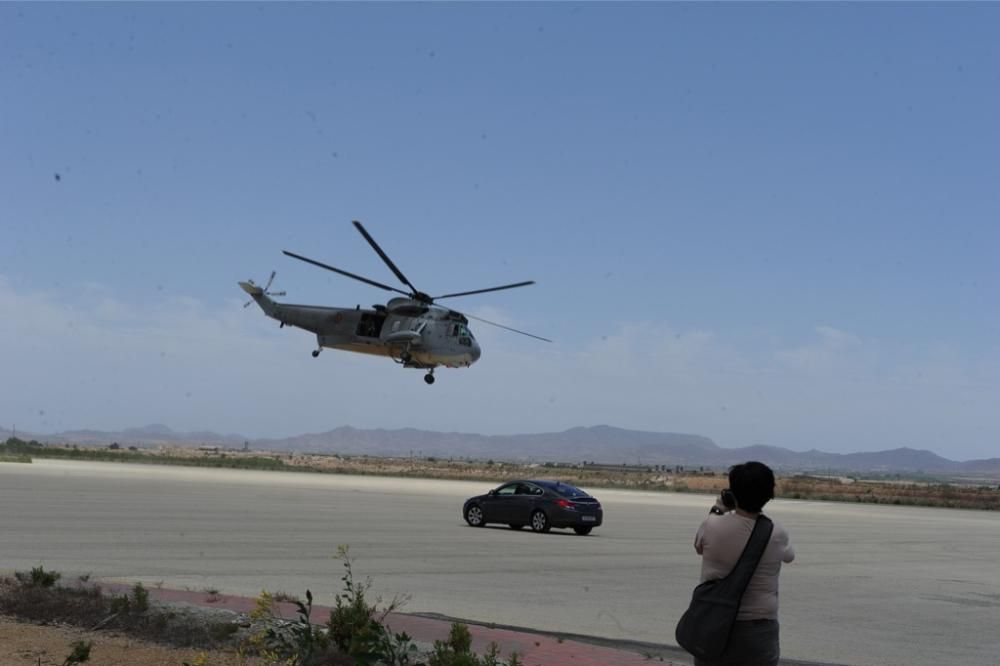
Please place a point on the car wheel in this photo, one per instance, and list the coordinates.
(582, 531)
(540, 522)
(474, 516)
(516, 526)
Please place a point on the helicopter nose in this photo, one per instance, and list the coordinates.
(476, 352)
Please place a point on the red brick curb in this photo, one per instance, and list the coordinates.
(533, 649)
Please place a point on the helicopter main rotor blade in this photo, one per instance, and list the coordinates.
(342, 272)
(493, 323)
(483, 291)
(385, 257)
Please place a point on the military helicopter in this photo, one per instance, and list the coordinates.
(411, 330)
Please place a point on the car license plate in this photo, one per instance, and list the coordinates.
(588, 519)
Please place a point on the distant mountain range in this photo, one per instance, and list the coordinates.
(600, 444)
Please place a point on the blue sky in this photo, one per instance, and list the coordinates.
(762, 223)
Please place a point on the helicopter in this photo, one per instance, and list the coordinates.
(410, 329)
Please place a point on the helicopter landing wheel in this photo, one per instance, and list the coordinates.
(316, 352)
(429, 378)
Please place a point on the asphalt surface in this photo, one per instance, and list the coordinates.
(871, 585)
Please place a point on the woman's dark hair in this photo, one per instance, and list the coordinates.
(753, 484)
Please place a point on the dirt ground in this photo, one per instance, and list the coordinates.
(23, 644)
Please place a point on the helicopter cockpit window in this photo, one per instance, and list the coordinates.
(464, 335)
(460, 331)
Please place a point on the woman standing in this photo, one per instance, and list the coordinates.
(720, 541)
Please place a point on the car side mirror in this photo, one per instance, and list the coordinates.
(492, 492)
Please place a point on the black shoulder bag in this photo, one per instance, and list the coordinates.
(706, 625)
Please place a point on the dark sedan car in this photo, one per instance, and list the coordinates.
(541, 504)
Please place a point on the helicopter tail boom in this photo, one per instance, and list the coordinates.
(260, 295)
(251, 289)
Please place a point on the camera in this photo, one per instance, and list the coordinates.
(727, 499)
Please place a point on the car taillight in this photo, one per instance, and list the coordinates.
(565, 504)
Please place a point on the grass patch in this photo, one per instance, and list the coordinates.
(37, 597)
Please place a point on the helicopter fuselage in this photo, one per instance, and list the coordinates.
(414, 334)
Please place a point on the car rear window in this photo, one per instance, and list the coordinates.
(568, 491)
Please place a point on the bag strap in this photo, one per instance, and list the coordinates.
(741, 574)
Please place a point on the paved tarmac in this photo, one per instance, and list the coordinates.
(871, 585)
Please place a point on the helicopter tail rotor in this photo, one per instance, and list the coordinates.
(256, 290)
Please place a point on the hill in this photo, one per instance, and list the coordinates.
(601, 444)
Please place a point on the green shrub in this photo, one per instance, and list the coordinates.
(357, 625)
(457, 651)
(38, 577)
(80, 653)
(120, 604)
(295, 643)
(353, 625)
(459, 638)
(140, 598)
(300, 640)
(396, 649)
